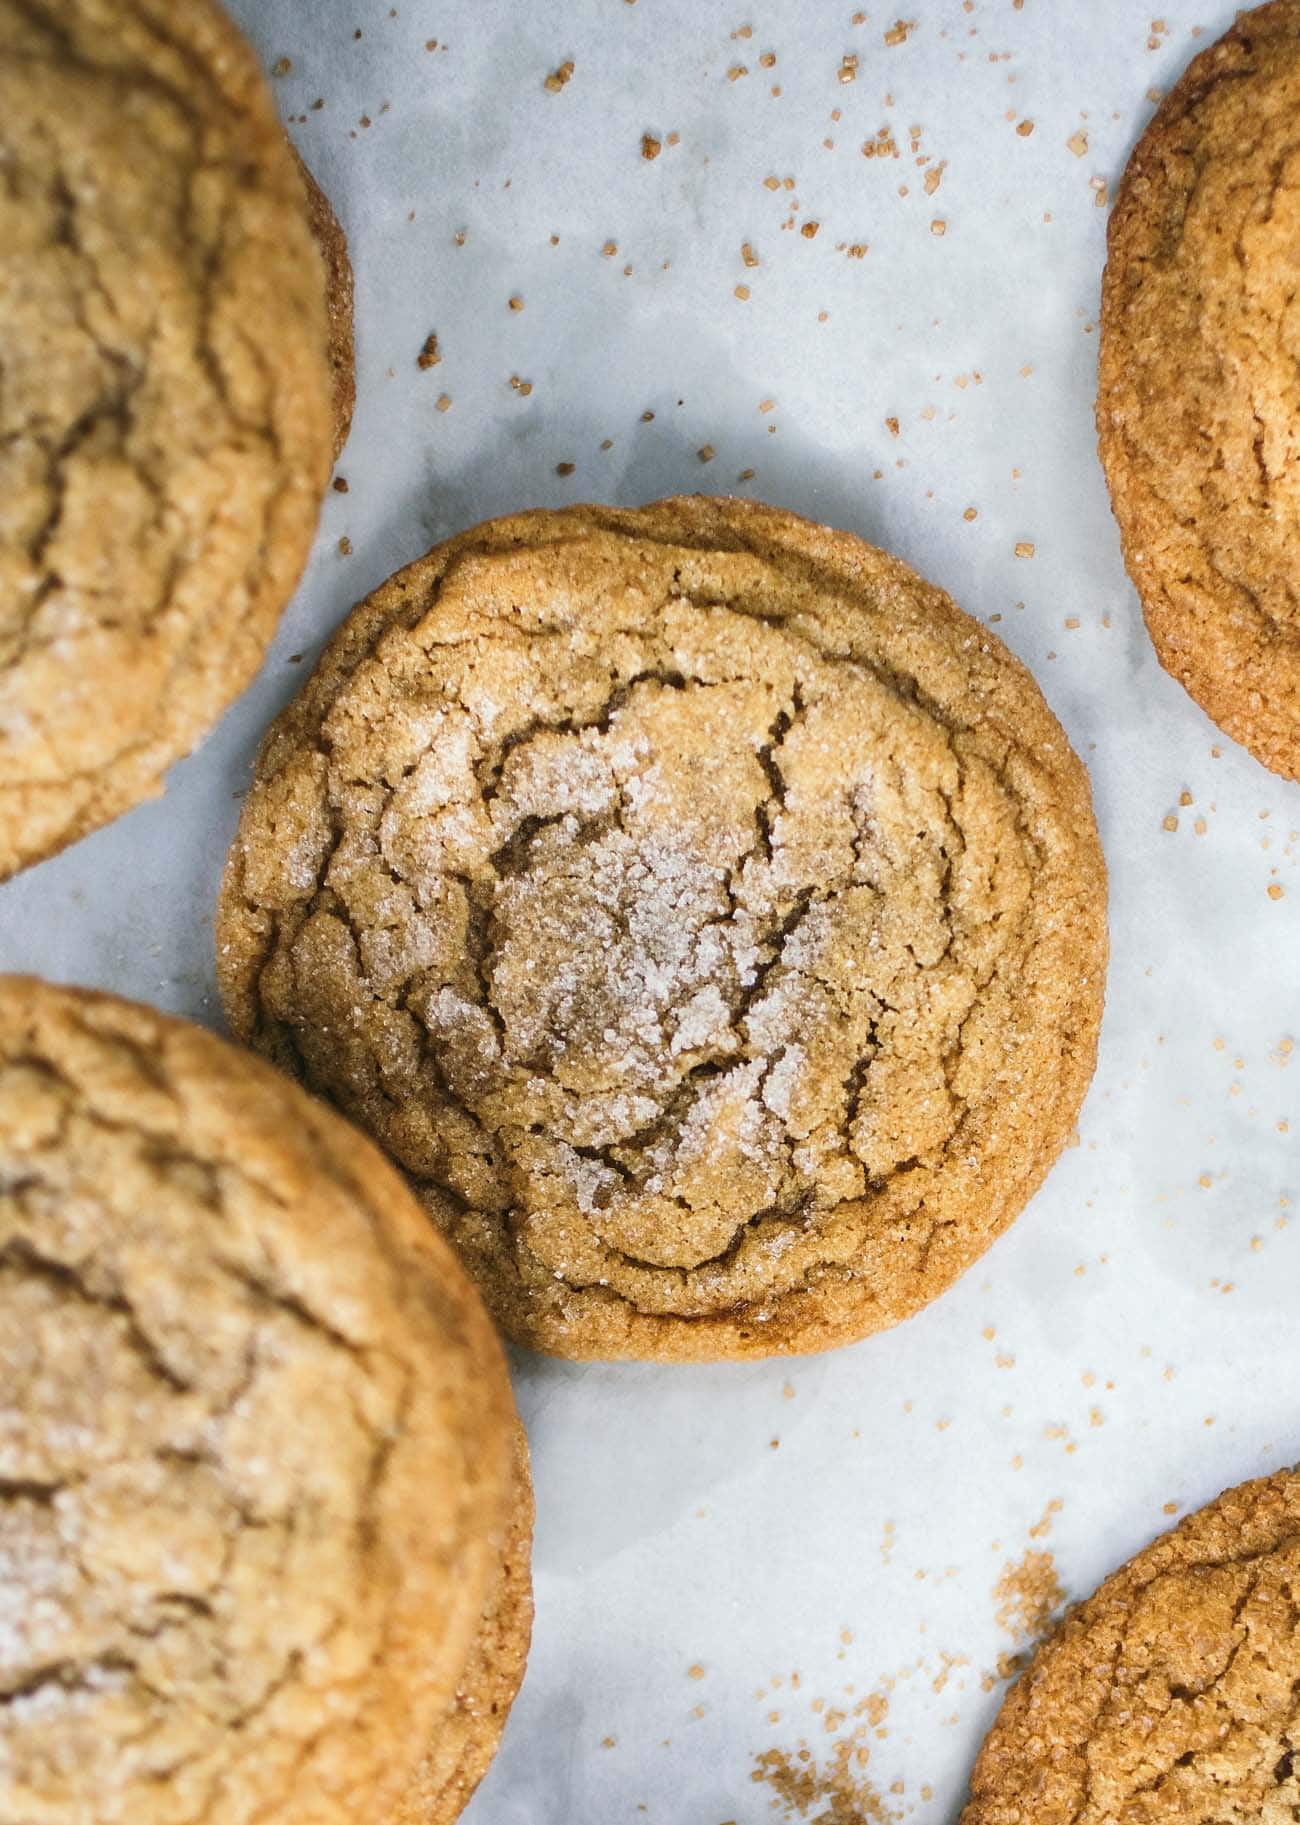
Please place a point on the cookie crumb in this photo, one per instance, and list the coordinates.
(1024, 549)
(557, 78)
(1027, 1594)
(900, 31)
(430, 354)
(650, 146)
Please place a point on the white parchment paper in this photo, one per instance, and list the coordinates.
(731, 1561)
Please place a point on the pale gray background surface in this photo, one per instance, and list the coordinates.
(674, 1530)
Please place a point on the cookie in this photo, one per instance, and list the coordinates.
(260, 1509)
(333, 246)
(1170, 1695)
(1200, 381)
(705, 913)
(165, 416)
(466, 1738)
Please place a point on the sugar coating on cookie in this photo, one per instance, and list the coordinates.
(1199, 404)
(255, 1442)
(1170, 1695)
(165, 416)
(705, 913)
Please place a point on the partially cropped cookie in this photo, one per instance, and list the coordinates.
(333, 246)
(1199, 399)
(165, 418)
(705, 913)
(264, 1503)
(1170, 1695)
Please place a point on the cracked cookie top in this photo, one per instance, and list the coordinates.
(1173, 1693)
(1199, 404)
(165, 419)
(705, 913)
(255, 1441)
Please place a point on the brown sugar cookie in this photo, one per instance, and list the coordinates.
(260, 1510)
(1199, 397)
(466, 1739)
(333, 246)
(1171, 1694)
(165, 414)
(706, 914)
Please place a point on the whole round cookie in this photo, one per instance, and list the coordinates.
(165, 416)
(333, 246)
(706, 914)
(259, 1497)
(1170, 1695)
(1199, 393)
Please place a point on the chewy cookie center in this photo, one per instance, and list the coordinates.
(696, 953)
